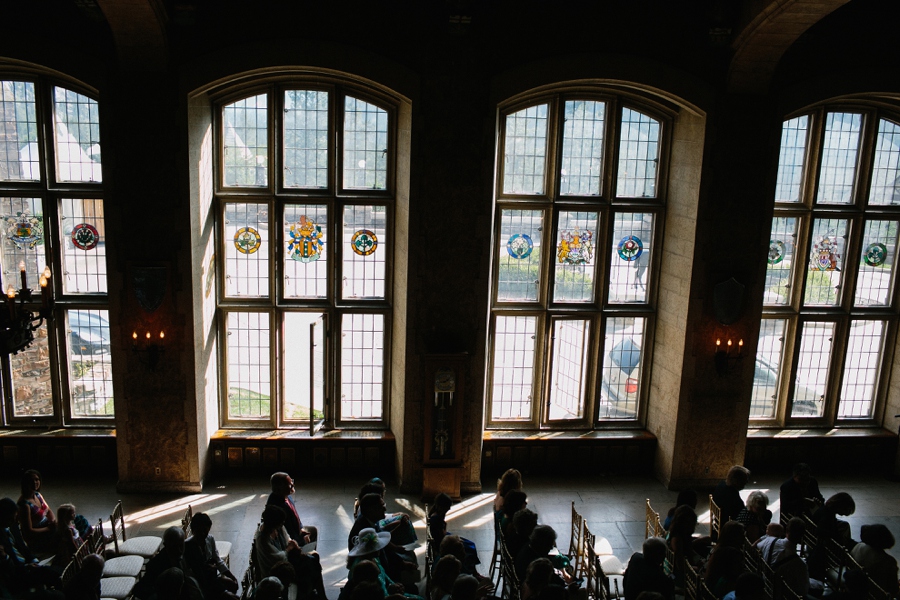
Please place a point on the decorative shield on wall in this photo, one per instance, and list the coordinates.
(149, 286)
(728, 301)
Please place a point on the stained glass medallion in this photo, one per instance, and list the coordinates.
(825, 253)
(519, 245)
(247, 240)
(85, 236)
(875, 254)
(630, 248)
(305, 240)
(576, 246)
(25, 230)
(776, 252)
(364, 242)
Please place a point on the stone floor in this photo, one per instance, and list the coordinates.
(612, 506)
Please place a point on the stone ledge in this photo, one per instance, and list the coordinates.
(559, 435)
(59, 432)
(296, 435)
(843, 432)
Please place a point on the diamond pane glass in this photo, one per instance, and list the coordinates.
(31, 378)
(620, 378)
(791, 159)
(568, 374)
(362, 366)
(365, 251)
(885, 186)
(874, 279)
(525, 151)
(839, 155)
(90, 367)
(780, 261)
(574, 261)
(862, 364)
(816, 341)
(582, 155)
(306, 252)
(298, 366)
(630, 257)
(22, 242)
(638, 156)
(519, 255)
(365, 145)
(83, 232)
(77, 125)
(19, 154)
(246, 250)
(767, 372)
(826, 262)
(246, 142)
(513, 376)
(305, 139)
(249, 375)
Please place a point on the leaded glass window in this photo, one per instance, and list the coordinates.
(306, 233)
(830, 306)
(574, 251)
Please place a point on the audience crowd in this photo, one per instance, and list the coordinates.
(382, 563)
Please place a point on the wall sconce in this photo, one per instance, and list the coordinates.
(148, 348)
(728, 354)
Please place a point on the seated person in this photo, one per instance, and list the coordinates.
(513, 502)
(68, 539)
(871, 554)
(396, 558)
(170, 555)
(726, 563)
(201, 556)
(273, 545)
(756, 515)
(540, 545)
(645, 571)
(523, 523)
(749, 586)
(537, 578)
(510, 480)
(363, 571)
(680, 540)
(688, 497)
(446, 570)
(828, 526)
(282, 497)
(270, 588)
(85, 585)
(787, 563)
(727, 494)
(19, 569)
(800, 494)
(768, 545)
(36, 519)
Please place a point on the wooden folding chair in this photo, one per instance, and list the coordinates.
(495, 571)
(511, 587)
(715, 519)
(652, 521)
(594, 576)
(588, 540)
(692, 582)
(118, 566)
(429, 551)
(575, 549)
(144, 546)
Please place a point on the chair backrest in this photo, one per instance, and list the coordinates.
(588, 540)
(594, 576)
(691, 582)
(429, 550)
(83, 550)
(96, 538)
(253, 566)
(511, 584)
(117, 523)
(715, 518)
(810, 537)
(70, 572)
(575, 547)
(186, 521)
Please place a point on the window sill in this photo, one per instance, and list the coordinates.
(598, 434)
(302, 434)
(59, 432)
(842, 432)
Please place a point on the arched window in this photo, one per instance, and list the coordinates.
(51, 214)
(830, 306)
(580, 200)
(306, 196)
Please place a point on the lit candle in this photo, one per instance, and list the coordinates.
(729, 343)
(718, 343)
(44, 291)
(10, 298)
(148, 335)
(162, 334)
(22, 274)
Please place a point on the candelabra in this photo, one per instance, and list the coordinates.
(728, 356)
(24, 317)
(148, 350)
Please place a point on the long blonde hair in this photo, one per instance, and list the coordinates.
(65, 516)
(511, 480)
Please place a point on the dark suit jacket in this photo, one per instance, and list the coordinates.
(292, 522)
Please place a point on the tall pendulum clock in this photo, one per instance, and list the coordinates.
(443, 401)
